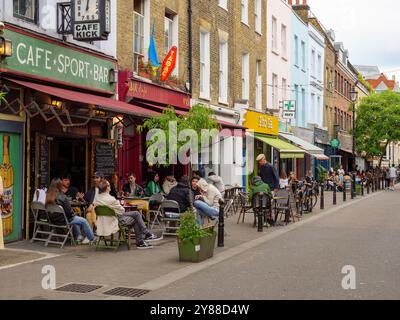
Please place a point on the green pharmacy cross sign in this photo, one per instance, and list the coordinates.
(335, 143)
(289, 105)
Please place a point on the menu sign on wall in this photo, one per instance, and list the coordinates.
(104, 156)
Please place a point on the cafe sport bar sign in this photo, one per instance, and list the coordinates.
(44, 58)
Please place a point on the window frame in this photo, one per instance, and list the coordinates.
(35, 18)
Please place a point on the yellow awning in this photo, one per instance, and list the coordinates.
(286, 150)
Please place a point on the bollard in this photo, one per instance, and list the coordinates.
(372, 185)
(353, 189)
(362, 188)
(334, 193)
(344, 193)
(352, 184)
(221, 224)
(367, 186)
(322, 205)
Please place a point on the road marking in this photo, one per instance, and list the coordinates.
(46, 256)
(174, 276)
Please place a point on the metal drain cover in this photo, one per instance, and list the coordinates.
(126, 292)
(79, 288)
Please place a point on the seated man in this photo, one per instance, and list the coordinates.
(182, 194)
(216, 181)
(132, 188)
(207, 204)
(169, 183)
(107, 226)
(259, 186)
(70, 191)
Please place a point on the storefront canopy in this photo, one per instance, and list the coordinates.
(286, 150)
(309, 148)
(104, 103)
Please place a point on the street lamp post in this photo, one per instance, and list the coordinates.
(353, 98)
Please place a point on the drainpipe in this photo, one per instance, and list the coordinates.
(190, 64)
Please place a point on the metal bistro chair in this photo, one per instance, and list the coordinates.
(41, 221)
(245, 207)
(170, 212)
(155, 200)
(124, 233)
(262, 208)
(282, 205)
(65, 226)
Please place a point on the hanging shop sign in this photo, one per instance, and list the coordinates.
(169, 63)
(262, 123)
(44, 58)
(335, 143)
(289, 110)
(91, 19)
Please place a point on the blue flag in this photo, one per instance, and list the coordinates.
(153, 58)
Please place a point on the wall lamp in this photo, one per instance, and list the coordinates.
(6, 49)
(56, 103)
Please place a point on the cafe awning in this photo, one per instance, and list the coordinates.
(309, 148)
(103, 103)
(286, 149)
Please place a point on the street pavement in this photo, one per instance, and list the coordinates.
(300, 261)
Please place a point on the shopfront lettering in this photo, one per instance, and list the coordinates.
(137, 89)
(49, 60)
(261, 123)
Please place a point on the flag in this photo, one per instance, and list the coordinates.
(153, 58)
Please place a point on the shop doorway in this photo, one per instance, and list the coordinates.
(68, 156)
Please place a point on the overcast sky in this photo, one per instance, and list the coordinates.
(368, 29)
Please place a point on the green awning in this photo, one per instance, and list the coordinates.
(286, 150)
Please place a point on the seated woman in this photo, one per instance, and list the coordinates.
(107, 226)
(153, 186)
(283, 181)
(132, 188)
(55, 196)
(207, 204)
(114, 185)
(259, 186)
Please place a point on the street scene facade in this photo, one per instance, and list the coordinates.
(188, 127)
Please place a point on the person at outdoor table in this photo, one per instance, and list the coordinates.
(153, 187)
(114, 185)
(107, 226)
(70, 191)
(268, 173)
(92, 192)
(182, 194)
(55, 196)
(309, 177)
(258, 185)
(216, 181)
(283, 181)
(132, 188)
(194, 187)
(207, 204)
(169, 183)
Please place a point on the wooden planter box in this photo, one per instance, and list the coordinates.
(197, 250)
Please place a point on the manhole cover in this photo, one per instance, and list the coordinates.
(79, 288)
(126, 292)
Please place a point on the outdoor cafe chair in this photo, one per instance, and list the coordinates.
(64, 226)
(124, 233)
(41, 222)
(170, 213)
(282, 205)
(155, 213)
(262, 205)
(244, 207)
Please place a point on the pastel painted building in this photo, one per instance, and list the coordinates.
(314, 114)
(299, 69)
(279, 30)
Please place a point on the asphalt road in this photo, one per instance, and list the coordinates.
(307, 262)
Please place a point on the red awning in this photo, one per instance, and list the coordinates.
(86, 98)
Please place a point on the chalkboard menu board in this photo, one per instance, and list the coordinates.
(44, 162)
(104, 157)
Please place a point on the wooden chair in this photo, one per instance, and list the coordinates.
(124, 233)
(245, 207)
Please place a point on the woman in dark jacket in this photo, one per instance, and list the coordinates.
(55, 196)
(182, 194)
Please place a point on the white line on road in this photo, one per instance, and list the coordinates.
(174, 276)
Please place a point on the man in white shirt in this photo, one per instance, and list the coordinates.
(393, 177)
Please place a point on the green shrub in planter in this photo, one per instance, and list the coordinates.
(195, 244)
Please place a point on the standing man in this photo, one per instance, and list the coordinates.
(393, 176)
(268, 173)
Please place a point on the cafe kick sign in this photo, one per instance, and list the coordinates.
(44, 58)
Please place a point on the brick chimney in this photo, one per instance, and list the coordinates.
(301, 8)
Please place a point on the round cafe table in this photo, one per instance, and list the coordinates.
(141, 204)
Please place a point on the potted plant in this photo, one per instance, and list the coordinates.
(195, 244)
